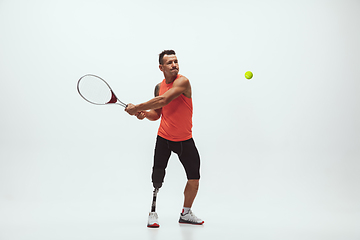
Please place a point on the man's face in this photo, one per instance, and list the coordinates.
(170, 65)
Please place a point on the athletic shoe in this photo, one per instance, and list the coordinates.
(153, 221)
(190, 218)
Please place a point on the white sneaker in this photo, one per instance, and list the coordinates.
(190, 218)
(153, 221)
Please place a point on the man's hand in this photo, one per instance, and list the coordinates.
(140, 115)
(131, 109)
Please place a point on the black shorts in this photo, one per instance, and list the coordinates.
(186, 151)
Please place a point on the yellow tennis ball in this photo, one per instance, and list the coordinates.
(249, 75)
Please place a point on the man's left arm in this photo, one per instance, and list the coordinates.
(179, 87)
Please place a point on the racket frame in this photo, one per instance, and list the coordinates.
(114, 99)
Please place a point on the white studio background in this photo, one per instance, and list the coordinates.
(280, 153)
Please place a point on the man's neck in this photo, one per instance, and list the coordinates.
(170, 79)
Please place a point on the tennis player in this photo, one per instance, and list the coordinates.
(173, 104)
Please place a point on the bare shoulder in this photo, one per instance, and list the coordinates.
(184, 84)
(184, 81)
(157, 89)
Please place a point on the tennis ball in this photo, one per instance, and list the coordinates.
(248, 75)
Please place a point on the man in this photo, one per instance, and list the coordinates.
(173, 104)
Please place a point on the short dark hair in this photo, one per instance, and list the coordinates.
(165, 52)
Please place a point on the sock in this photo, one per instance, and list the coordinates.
(185, 210)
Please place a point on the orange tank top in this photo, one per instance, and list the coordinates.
(176, 118)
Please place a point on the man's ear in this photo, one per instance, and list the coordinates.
(161, 67)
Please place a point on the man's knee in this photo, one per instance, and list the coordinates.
(158, 177)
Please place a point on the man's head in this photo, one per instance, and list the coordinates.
(168, 63)
(163, 53)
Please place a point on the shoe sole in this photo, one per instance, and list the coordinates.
(155, 225)
(186, 222)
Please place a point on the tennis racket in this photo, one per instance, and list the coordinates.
(97, 91)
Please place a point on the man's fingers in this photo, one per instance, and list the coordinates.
(140, 115)
(130, 109)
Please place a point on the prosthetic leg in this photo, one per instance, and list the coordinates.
(157, 179)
